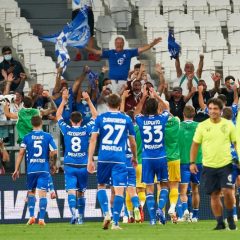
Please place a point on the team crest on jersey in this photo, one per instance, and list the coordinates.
(224, 128)
(120, 61)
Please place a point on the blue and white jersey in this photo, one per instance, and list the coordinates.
(113, 128)
(152, 132)
(119, 62)
(38, 144)
(76, 141)
(234, 108)
(234, 152)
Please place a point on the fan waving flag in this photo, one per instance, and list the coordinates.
(173, 47)
(75, 34)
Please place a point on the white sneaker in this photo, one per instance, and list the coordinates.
(106, 222)
(125, 219)
(115, 227)
(137, 215)
(186, 215)
(235, 217)
(194, 220)
(180, 220)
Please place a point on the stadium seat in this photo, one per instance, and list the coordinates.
(183, 24)
(43, 69)
(231, 65)
(216, 46)
(236, 6)
(220, 9)
(161, 50)
(191, 46)
(156, 26)
(16, 27)
(135, 2)
(235, 43)
(197, 7)
(208, 24)
(98, 9)
(121, 14)
(233, 25)
(105, 28)
(147, 7)
(172, 8)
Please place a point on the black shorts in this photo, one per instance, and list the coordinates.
(90, 19)
(214, 179)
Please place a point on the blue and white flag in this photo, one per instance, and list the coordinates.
(75, 34)
(92, 77)
(173, 47)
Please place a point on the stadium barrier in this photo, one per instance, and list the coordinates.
(14, 207)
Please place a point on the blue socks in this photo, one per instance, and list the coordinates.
(135, 201)
(103, 200)
(179, 208)
(42, 207)
(151, 206)
(195, 213)
(31, 204)
(163, 197)
(184, 206)
(117, 208)
(72, 202)
(81, 205)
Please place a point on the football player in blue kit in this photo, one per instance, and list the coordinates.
(76, 139)
(113, 129)
(154, 162)
(37, 145)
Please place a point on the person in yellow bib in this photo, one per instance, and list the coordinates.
(216, 134)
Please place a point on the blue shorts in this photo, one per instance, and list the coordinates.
(131, 178)
(38, 180)
(75, 178)
(152, 167)
(187, 176)
(115, 171)
(235, 173)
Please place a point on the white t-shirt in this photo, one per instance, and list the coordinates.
(183, 85)
(77, 4)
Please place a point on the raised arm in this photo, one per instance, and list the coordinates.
(163, 104)
(10, 79)
(235, 91)
(200, 98)
(200, 66)
(150, 45)
(57, 86)
(90, 104)
(162, 81)
(61, 106)
(52, 108)
(124, 96)
(93, 50)
(5, 155)
(190, 94)
(178, 67)
(139, 106)
(8, 114)
(78, 82)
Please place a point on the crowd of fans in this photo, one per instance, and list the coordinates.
(188, 89)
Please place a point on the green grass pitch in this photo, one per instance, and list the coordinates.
(92, 231)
